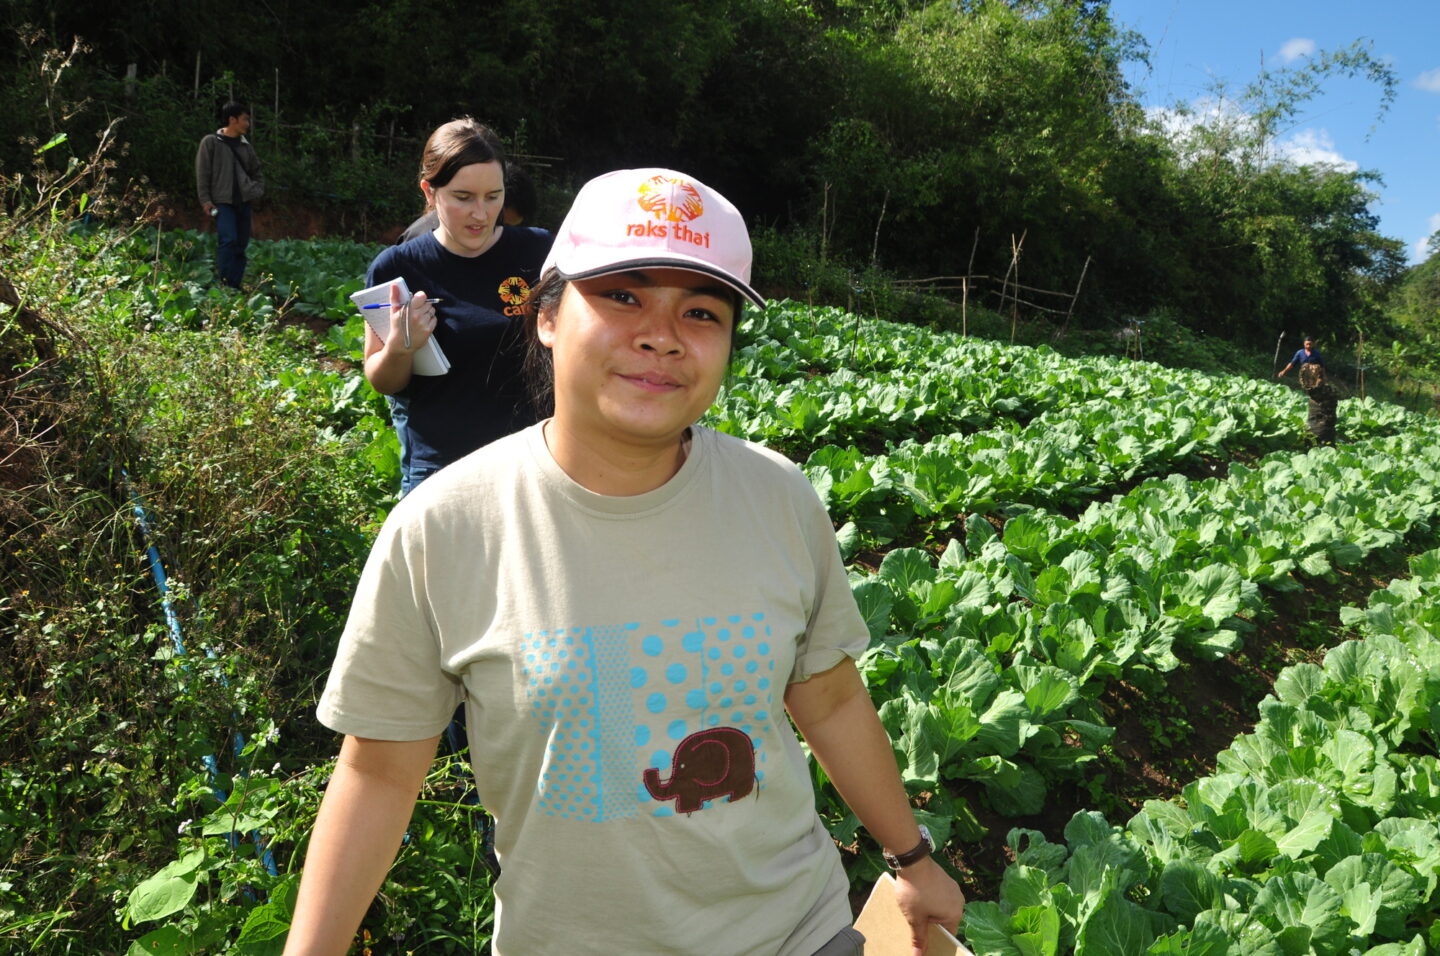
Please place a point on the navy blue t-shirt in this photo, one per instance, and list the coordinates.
(441, 418)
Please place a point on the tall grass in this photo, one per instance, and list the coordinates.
(124, 385)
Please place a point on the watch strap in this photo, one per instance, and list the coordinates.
(926, 846)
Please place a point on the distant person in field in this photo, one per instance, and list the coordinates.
(1308, 354)
(638, 613)
(1324, 403)
(228, 179)
(481, 271)
(519, 205)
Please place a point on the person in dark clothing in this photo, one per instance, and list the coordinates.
(1324, 402)
(1308, 355)
(481, 271)
(227, 180)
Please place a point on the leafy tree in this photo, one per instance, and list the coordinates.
(1415, 305)
(991, 115)
(1272, 243)
(894, 131)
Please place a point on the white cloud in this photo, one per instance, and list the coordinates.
(1207, 112)
(1309, 147)
(1314, 147)
(1420, 249)
(1294, 49)
(1429, 81)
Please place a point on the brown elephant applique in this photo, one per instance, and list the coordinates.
(708, 764)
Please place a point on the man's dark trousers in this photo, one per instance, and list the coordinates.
(232, 226)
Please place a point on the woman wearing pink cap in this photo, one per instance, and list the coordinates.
(628, 605)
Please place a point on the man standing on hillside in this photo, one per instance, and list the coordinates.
(227, 178)
(1309, 355)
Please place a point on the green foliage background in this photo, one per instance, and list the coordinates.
(918, 138)
(866, 140)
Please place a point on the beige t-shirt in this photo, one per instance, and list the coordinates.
(624, 663)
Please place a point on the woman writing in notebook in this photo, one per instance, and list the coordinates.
(470, 278)
(629, 605)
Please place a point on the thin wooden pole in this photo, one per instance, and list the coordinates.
(1015, 248)
(965, 287)
(824, 218)
(1005, 285)
(1360, 363)
(1065, 326)
(875, 246)
(197, 74)
(854, 337)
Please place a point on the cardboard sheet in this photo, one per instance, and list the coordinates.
(887, 933)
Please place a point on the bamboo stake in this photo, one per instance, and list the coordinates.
(1065, 326)
(824, 217)
(875, 247)
(1014, 268)
(965, 287)
(964, 310)
(1360, 364)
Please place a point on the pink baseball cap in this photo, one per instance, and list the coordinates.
(638, 218)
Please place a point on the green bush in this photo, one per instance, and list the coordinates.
(262, 474)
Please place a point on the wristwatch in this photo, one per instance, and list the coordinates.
(896, 860)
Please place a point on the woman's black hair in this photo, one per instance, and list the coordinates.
(539, 364)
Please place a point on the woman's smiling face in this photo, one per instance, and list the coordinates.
(639, 355)
(469, 207)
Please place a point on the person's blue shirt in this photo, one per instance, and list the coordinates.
(1307, 357)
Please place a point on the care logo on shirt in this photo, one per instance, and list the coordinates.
(513, 292)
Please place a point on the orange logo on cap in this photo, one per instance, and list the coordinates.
(656, 199)
(514, 291)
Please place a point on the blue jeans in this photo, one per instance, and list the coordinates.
(410, 474)
(232, 227)
(410, 480)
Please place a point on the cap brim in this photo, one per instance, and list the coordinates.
(668, 262)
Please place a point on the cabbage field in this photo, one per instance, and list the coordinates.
(1162, 675)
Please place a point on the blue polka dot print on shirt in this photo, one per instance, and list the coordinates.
(606, 695)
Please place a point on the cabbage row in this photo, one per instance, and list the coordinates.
(987, 663)
(1319, 833)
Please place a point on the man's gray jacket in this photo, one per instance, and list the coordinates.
(216, 172)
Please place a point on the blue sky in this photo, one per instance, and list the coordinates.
(1194, 43)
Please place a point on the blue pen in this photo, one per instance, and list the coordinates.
(386, 305)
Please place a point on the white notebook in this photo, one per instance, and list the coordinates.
(429, 360)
